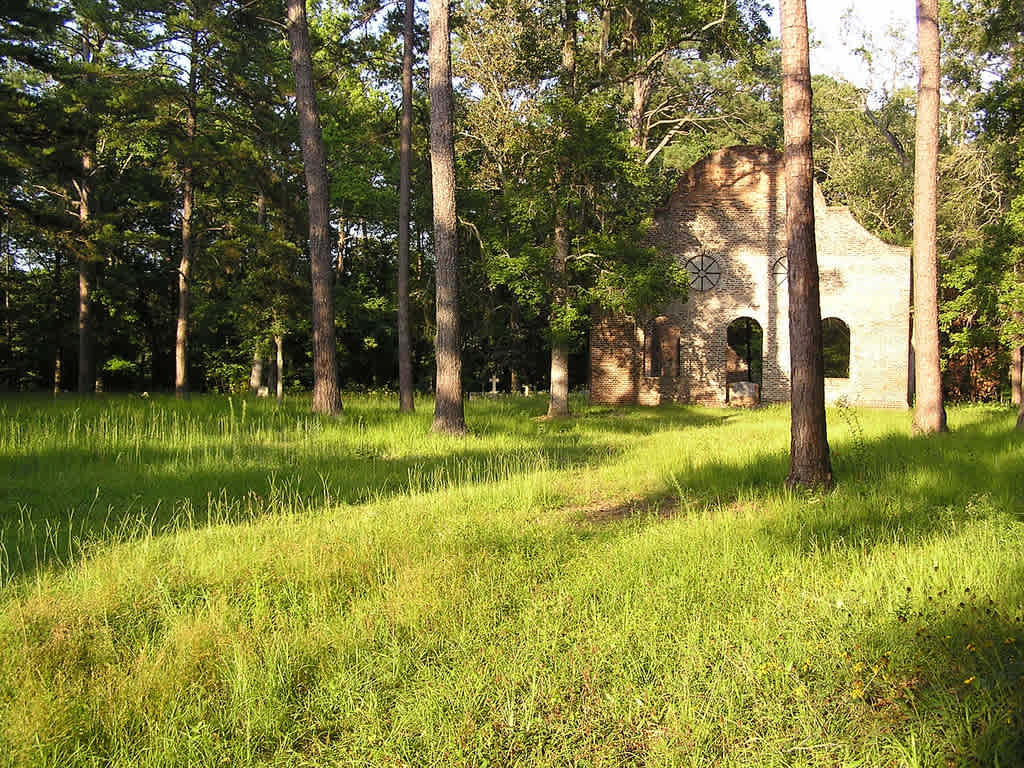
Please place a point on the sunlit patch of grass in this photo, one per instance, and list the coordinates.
(256, 586)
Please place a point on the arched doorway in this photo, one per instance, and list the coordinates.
(835, 337)
(745, 355)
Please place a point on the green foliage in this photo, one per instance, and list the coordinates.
(657, 86)
(864, 155)
(642, 284)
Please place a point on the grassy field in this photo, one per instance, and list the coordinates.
(223, 582)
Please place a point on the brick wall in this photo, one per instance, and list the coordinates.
(730, 207)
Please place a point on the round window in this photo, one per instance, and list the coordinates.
(705, 272)
(780, 271)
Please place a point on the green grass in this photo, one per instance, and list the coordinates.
(228, 583)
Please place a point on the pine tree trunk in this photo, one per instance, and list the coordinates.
(326, 397)
(342, 238)
(256, 374)
(1016, 357)
(8, 320)
(929, 412)
(187, 243)
(86, 345)
(271, 377)
(405, 391)
(810, 464)
(58, 359)
(86, 279)
(449, 415)
(279, 344)
(184, 288)
(558, 399)
(558, 402)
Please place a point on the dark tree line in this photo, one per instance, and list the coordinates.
(169, 221)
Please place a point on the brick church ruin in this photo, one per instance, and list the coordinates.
(729, 340)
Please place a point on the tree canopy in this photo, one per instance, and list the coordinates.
(139, 133)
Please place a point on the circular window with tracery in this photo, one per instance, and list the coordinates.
(780, 271)
(705, 272)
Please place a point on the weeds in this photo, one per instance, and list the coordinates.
(858, 447)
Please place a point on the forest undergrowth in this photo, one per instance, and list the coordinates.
(228, 582)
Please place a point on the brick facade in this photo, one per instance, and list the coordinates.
(728, 216)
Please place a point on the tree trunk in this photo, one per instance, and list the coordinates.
(187, 243)
(184, 287)
(326, 397)
(8, 320)
(342, 238)
(58, 289)
(558, 402)
(256, 374)
(1015, 385)
(271, 377)
(405, 393)
(279, 344)
(86, 278)
(929, 412)
(809, 453)
(1016, 357)
(643, 83)
(449, 415)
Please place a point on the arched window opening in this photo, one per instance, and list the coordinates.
(745, 359)
(654, 362)
(661, 349)
(836, 342)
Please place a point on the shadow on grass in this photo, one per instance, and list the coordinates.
(59, 499)
(891, 484)
(962, 671)
(961, 668)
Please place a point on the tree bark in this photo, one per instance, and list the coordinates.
(339, 266)
(810, 464)
(279, 344)
(1016, 357)
(58, 289)
(405, 391)
(643, 83)
(558, 402)
(86, 279)
(184, 287)
(449, 415)
(187, 243)
(271, 377)
(326, 396)
(558, 399)
(929, 411)
(256, 374)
